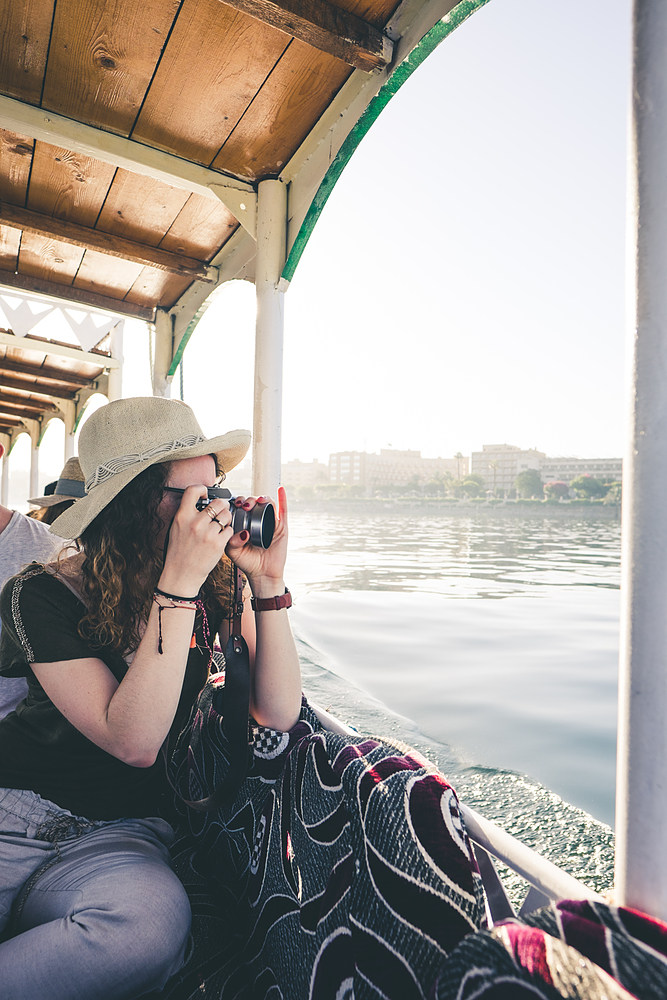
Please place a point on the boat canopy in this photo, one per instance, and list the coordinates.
(137, 134)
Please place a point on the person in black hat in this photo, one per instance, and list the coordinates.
(60, 494)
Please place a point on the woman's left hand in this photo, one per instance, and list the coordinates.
(263, 567)
(275, 691)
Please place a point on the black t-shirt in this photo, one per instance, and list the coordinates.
(39, 749)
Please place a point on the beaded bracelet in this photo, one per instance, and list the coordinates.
(196, 604)
(173, 597)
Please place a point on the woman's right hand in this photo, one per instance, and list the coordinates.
(197, 541)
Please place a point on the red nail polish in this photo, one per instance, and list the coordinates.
(246, 506)
(238, 501)
(244, 536)
(261, 499)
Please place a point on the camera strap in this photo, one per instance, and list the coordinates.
(232, 702)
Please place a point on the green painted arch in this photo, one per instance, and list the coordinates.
(183, 343)
(457, 15)
(14, 439)
(82, 409)
(46, 424)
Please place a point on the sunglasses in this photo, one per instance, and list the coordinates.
(214, 492)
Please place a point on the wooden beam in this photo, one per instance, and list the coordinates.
(42, 390)
(8, 421)
(325, 27)
(32, 342)
(31, 408)
(239, 196)
(42, 371)
(74, 296)
(95, 351)
(94, 239)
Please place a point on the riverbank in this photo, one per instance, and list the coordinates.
(574, 510)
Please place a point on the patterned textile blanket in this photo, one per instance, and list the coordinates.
(341, 870)
(571, 949)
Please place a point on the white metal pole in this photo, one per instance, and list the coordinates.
(268, 396)
(162, 354)
(115, 384)
(641, 809)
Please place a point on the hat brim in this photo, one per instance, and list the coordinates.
(229, 449)
(51, 500)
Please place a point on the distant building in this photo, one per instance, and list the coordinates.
(500, 464)
(348, 467)
(390, 468)
(295, 474)
(567, 469)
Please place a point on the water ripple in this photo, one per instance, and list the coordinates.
(455, 556)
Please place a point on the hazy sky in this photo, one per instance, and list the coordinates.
(465, 282)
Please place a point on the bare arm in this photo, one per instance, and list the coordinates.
(275, 693)
(131, 720)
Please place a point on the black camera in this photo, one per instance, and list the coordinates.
(260, 522)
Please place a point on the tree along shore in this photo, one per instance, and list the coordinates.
(575, 509)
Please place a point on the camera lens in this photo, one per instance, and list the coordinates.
(260, 523)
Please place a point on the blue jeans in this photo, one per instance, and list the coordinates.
(93, 908)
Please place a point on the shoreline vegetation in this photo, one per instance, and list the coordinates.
(585, 497)
(588, 510)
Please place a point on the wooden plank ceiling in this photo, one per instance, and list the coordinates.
(34, 381)
(235, 86)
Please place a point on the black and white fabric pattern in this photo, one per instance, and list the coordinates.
(267, 743)
(570, 950)
(341, 870)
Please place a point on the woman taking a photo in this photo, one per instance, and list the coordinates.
(89, 905)
(334, 865)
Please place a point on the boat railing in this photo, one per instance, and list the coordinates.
(545, 879)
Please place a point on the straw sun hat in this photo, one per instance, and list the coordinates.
(125, 437)
(70, 486)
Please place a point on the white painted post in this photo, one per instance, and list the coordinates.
(115, 383)
(162, 353)
(641, 809)
(35, 431)
(267, 418)
(68, 411)
(4, 480)
(70, 450)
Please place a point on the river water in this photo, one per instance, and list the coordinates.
(490, 643)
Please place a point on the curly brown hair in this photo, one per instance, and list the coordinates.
(121, 565)
(47, 515)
